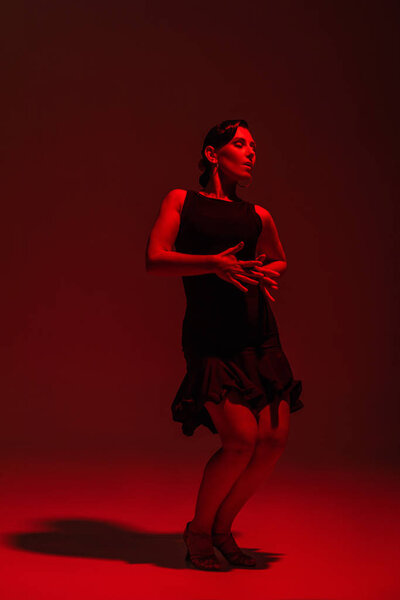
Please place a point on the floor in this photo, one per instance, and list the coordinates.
(111, 529)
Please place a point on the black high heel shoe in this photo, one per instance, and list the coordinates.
(200, 551)
(226, 544)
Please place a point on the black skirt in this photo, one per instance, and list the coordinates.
(260, 375)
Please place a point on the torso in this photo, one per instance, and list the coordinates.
(219, 315)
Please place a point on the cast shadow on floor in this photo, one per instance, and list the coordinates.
(89, 538)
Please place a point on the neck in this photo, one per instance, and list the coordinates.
(220, 187)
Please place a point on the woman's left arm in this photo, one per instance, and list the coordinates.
(270, 250)
(269, 243)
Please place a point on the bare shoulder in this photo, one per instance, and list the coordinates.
(263, 213)
(175, 199)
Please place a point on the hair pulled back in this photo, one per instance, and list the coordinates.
(218, 136)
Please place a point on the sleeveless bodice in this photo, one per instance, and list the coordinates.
(219, 317)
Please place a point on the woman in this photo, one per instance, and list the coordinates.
(238, 382)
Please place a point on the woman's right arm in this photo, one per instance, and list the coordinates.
(161, 258)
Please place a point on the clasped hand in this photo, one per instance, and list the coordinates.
(246, 271)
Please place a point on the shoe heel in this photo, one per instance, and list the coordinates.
(197, 561)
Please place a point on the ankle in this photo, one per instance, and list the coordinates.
(198, 528)
(221, 529)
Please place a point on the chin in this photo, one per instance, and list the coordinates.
(245, 182)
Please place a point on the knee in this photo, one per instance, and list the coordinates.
(272, 441)
(241, 446)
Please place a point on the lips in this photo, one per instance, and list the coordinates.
(248, 164)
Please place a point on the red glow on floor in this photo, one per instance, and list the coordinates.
(112, 530)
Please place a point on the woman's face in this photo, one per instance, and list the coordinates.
(237, 158)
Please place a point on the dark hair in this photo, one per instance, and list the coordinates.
(218, 136)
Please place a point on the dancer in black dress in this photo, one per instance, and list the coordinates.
(238, 381)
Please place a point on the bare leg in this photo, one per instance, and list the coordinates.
(269, 447)
(237, 428)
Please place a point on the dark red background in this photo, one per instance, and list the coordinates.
(107, 104)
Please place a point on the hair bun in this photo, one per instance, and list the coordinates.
(203, 179)
(202, 164)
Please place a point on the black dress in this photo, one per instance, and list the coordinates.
(230, 338)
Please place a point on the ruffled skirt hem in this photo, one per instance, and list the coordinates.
(258, 376)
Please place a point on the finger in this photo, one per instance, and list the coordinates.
(266, 293)
(238, 284)
(269, 280)
(246, 275)
(247, 279)
(236, 248)
(267, 284)
(272, 271)
(254, 272)
(250, 263)
(273, 283)
(258, 270)
(232, 250)
(274, 286)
